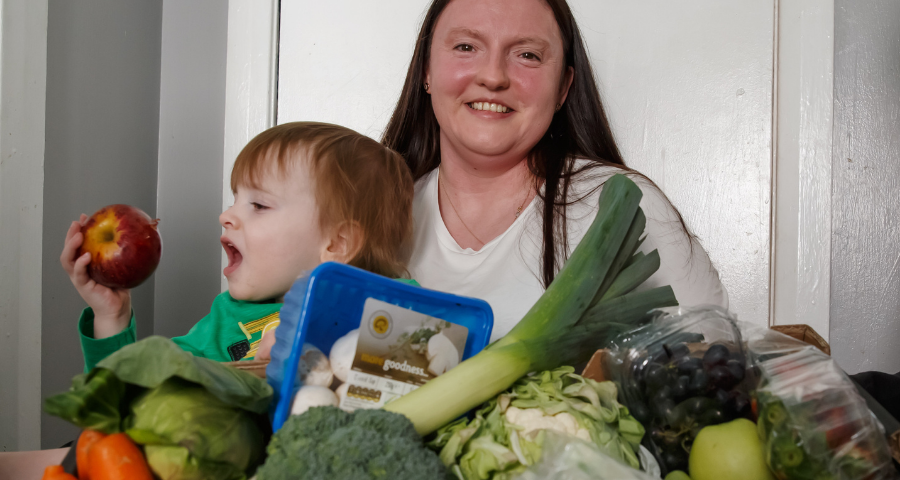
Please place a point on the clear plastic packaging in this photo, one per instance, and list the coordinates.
(683, 371)
(568, 458)
(812, 421)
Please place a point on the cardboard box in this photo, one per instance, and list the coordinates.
(806, 334)
(595, 371)
(256, 367)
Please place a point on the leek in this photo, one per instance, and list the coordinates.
(633, 275)
(584, 307)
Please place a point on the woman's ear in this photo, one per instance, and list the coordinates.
(342, 243)
(566, 84)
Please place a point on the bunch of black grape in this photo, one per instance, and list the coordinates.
(675, 394)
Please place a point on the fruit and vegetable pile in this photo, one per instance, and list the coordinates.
(324, 377)
(192, 417)
(811, 421)
(692, 394)
(727, 400)
(676, 383)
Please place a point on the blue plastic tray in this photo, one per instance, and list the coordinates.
(326, 304)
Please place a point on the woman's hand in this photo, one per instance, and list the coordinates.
(112, 307)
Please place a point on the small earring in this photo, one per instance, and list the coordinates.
(558, 106)
(426, 86)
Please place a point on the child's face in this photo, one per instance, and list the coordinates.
(272, 234)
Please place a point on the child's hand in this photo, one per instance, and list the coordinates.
(264, 351)
(112, 307)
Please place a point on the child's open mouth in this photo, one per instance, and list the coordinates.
(234, 256)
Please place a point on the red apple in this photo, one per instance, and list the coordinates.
(124, 246)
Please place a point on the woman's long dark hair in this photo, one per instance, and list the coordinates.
(578, 130)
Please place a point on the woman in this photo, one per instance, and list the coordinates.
(501, 123)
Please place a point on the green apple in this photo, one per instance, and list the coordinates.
(677, 475)
(728, 451)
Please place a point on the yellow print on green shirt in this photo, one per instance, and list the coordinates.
(255, 329)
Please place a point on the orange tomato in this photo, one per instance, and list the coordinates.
(116, 457)
(56, 472)
(86, 440)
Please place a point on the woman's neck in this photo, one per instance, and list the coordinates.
(479, 204)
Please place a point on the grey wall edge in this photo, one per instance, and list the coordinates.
(102, 124)
(865, 284)
(191, 143)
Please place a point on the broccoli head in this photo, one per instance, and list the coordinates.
(329, 443)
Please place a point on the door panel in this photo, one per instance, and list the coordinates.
(688, 90)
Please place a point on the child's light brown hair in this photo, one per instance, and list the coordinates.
(357, 180)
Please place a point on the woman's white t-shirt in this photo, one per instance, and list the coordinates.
(505, 272)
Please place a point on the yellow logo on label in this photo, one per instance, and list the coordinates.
(372, 359)
(381, 324)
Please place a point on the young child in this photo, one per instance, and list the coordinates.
(304, 193)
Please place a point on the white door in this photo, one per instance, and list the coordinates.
(687, 85)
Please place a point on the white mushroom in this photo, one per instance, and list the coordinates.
(442, 354)
(312, 396)
(341, 392)
(342, 353)
(314, 367)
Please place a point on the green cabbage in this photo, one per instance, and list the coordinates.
(177, 463)
(183, 414)
(198, 419)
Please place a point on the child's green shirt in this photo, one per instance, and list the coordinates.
(230, 332)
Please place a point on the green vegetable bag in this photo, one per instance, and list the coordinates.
(197, 419)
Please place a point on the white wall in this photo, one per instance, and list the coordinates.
(339, 63)
(688, 87)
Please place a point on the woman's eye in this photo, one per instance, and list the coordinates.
(530, 56)
(465, 47)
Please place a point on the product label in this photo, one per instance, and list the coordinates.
(398, 351)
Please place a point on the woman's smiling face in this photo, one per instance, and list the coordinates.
(495, 76)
